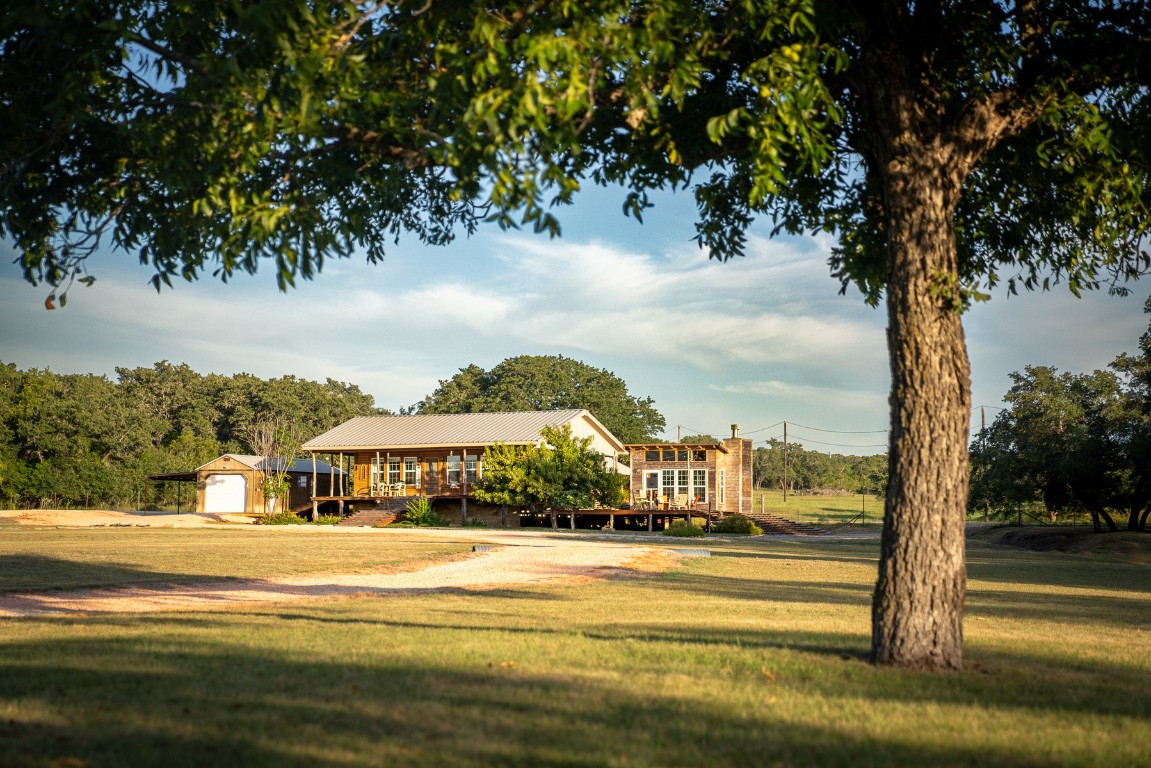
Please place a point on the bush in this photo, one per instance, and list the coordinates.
(684, 529)
(282, 518)
(421, 513)
(328, 519)
(738, 523)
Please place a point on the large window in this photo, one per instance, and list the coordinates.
(454, 471)
(411, 472)
(699, 485)
(471, 469)
(394, 474)
(673, 483)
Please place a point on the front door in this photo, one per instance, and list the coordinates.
(432, 481)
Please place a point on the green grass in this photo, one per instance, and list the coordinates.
(753, 656)
(819, 509)
(46, 558)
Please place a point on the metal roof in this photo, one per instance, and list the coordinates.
(660, 446)
(447, 429)
(300, 466)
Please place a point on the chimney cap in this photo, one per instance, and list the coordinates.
(735, 430)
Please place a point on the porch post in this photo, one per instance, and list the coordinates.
(315, 506)
(650, 520)
(573, 520)
(464, 488)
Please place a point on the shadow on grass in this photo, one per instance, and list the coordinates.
(30, 573)
(989, 562)
(184, 701)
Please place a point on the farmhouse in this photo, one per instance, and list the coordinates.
(437, 455)
(233, 483)
(693, 476)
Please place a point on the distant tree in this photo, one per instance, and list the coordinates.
(276, 441)
(547, 382)
(1054, 445)
(702, 439)
(1071, 442)
(1134, 430)
(561, 472)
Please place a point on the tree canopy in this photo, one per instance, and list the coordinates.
(562, 472)
(948, 147)
(75, 439)
(1071, 442)
(547, 382)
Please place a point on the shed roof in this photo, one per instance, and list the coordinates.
(300, 466)
(449, 429)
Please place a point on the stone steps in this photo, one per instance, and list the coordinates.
(781, 525)
(383, 513)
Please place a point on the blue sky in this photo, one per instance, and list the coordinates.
(755, 341)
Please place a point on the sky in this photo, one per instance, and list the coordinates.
(756, 341)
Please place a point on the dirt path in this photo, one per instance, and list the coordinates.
(515, 559)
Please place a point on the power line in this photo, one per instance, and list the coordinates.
(841, 431)
(763, 429)
(835, 445)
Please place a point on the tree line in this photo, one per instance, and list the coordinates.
(791, 466)
(1070, 444)
(75, 440)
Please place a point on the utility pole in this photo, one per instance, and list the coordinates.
(785, 461)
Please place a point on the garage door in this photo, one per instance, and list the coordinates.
(226, 493)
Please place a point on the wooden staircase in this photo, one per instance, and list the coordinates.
(385, 512)
(781, 525)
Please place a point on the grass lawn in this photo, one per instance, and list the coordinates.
(753, 656)
(819, 509)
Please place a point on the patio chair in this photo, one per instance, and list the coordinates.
(679, 502)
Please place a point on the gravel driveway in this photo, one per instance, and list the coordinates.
(513, 559)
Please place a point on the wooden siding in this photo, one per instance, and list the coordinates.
(736, 464)
(432, 472)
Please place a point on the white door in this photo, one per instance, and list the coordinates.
(226, 493)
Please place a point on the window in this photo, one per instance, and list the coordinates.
(681, 454)
(673, 483)
(699, 455)
(454, 471)
(651, 455)
(302, 481)
(379, 472)
(668, 454)
(721, 491)
(699, 485)
(394, 475)
(411, 472)
(651, 481)
(471, 466)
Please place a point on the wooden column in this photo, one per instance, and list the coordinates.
(464, 488)
(650, 520)
(573, 520)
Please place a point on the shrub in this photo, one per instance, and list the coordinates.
(328, 519)
(282, 518)
(684, 529)
(421, 513)
(738, 523)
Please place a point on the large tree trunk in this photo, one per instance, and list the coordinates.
(917, 612)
